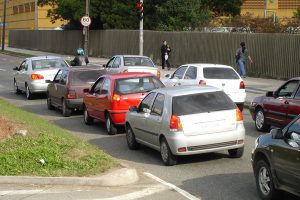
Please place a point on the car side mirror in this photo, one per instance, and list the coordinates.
(48, 81)
(167, 75)
(86, 90)
(270, 94)
(133, 109)
(16, 68)
(277, 134)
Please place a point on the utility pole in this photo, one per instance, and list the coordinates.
(3, 24)
(86, 29)
(141, 17)
(36, 15)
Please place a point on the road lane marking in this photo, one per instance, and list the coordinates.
(180, 191)
(18, 192)
(3, 70)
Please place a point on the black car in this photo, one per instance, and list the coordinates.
(276, 161)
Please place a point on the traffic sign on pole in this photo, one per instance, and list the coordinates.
(85, 21)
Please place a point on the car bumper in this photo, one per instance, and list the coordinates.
(237, 97)
(118, 117)
(75, 103)
(206, 143)
(38, 86)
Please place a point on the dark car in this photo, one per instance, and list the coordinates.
(66, 90)
(276, 161)
(277, 108)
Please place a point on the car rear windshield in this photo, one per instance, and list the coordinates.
(219, 73)
(138, 61)
(137, 85)
(48, 64)
(201, 103)
(85, 77)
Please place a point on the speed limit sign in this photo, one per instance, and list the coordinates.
(85, 21)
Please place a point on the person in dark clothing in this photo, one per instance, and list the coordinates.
(80, 59)
(165, 52)
(241, 58)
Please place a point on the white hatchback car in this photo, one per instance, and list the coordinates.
(220, 76)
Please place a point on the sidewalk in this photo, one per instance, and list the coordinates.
(254, 86)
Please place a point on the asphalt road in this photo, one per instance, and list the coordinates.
(209, 177)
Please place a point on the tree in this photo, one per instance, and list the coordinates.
(297, 13)
(224, 7)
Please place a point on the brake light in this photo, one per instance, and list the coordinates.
(116, 97)
(37, 76)
(158, 74)
(175, 123)
(239, 115)
(125, 71)
(71, 94)
(202, 82)
(242, 85)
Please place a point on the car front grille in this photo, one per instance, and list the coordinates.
(211, 146)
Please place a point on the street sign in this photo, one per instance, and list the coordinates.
(85, 21)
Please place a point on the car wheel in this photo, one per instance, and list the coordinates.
(29, 95)
(65, 110)
(88, 120)
(166, 155)
(17, 91)
(49, 104)
(236, 153)
(110, 127)
(130, 137)
(264, 181)
(240, 106)
(260, 121)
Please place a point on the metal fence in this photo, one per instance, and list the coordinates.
(274, 55)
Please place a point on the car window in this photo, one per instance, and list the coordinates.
(64, 77)
(138, 61)
(22, 66)
(191, 73)
(158, 105)
(178, 74)
(58, 76)
(293, 132)
(45, 64)
(105, 89)
(219, 73)
(117, 62)
(288, 89)
(85, 77)
(26, 66)
(201, 103)
(297, 95)
(96, 87)
(110, 63)
(137, 85)
(146, 103)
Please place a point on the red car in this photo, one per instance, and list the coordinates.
(277, 108)
(110, 97)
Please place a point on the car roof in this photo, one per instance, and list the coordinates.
(208, 65)
(132, 56)
(185, 90)
(86, 68)
(128, 75)
(44, 57)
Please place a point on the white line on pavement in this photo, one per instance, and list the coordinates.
(18, 192)
(2, 70)
(180, 191)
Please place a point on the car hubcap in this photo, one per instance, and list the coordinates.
(27, 92)
(85, 115)
(108, 124)
(264, 181)
(259, 119)
(164, 151)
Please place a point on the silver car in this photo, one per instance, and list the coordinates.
(186, 120)
(131, 63)
(32, 74)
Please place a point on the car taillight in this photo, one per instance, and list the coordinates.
(71, 94)
(36, 76)
(202, 82)
(242, 85)
(116, 97)
(175, 123)
(158, 74)
(125, 71)
(239, 115)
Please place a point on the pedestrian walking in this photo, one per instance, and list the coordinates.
(241, 58)
(80, 59)
(165, 53)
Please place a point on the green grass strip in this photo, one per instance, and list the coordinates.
(13, 53)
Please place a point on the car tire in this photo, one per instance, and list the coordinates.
(49, 104)
(66, 111)
(88, 120)
(264, 182)
(166, 154)
(240, 106)
(29, 95)
(236, 153)
(260, 121)
(17, 90)
(130, 137)
(110, 127)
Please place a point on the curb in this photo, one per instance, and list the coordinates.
(119, 177)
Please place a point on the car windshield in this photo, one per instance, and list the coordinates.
(219, 73)
(201, 103)
(138, 61)
(85, 77)
(137, 85)
(48, 64)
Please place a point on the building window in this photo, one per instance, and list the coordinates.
(21, 8)
(32, 6)
(288, 4)
(253, 4)
(27, 7)
(15, 10)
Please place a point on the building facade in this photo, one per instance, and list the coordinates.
(281, 8)
(24, 15)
